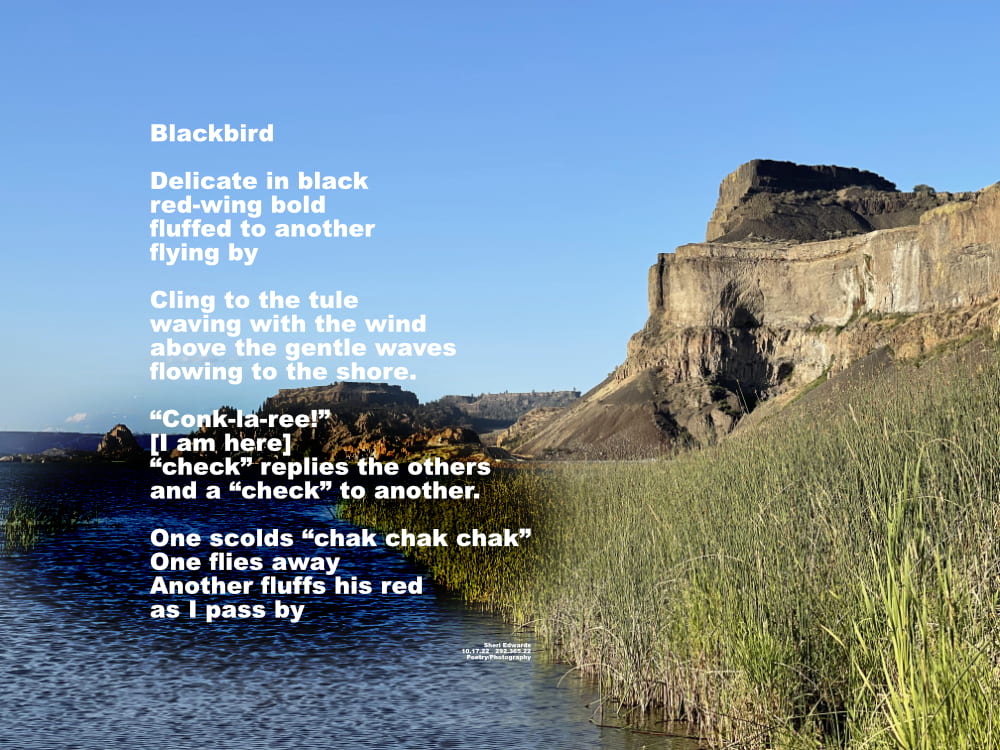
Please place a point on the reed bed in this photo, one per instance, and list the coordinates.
(829, 580)
(27, 519)
(499, 578)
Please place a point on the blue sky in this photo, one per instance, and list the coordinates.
(526, 162)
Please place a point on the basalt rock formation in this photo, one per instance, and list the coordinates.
(778, 200)
(343, 396)
(119, 444)
(772, 302)
(498, 411)
(360, 420)
(353, 421)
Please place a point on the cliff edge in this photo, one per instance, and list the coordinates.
(778, 200)
(776, 298)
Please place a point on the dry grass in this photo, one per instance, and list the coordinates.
(828, 580)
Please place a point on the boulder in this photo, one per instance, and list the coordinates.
(119, 444)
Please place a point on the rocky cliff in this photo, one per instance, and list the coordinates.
(779, 200)
(343, 396)
(363, 419)
(495, 412)
(119, 444)
(771, 302)
(386, 422)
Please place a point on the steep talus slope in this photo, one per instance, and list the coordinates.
(494, 412)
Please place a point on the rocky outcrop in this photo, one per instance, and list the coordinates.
(778, 200)
(496, 411)
(390, 443)
(339, 396)
(119, 444)
(732, 323)
(361, 420)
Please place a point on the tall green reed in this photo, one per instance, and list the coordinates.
(27, 519)
(827, 580)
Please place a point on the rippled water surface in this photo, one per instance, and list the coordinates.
(84, 666)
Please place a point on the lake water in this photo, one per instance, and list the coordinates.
(84, 667)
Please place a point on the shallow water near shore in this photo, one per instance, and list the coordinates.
(84, 666)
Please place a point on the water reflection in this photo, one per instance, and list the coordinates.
(85, 667)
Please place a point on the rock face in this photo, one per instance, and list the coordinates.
(384, 422)
(779, 200)
(339, 396)
(735, 322)
(498, 411)
(119, 444)
(364, 419)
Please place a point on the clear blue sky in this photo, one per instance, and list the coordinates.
(527, 161)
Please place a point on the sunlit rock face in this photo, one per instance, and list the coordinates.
(785, 290)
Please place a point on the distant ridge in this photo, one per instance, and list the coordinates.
(13, 443)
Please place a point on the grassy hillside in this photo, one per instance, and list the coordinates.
(826, 578)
